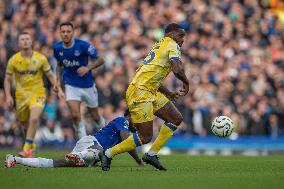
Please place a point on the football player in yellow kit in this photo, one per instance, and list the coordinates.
(28, 67)
(146, 97)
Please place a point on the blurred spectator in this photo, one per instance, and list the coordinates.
(233, 55)
(274, 129)
(49, 135)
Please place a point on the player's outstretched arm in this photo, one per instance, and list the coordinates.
(172, 96)
(178, 70)
(136, 157)
(124, 135)
(58, 74)
(95, 64)
(50, 77)
(57, 87)
(7, 89)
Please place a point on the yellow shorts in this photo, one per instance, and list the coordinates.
(143, 104)
(24, 103)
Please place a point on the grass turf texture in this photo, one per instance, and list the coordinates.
(184, 171)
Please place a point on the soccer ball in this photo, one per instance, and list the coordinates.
(222, 126)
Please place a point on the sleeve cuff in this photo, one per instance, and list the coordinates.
(47, 70)
(175, 58)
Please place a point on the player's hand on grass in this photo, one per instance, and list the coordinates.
(140, 163)
(83, 70)
(10, 101)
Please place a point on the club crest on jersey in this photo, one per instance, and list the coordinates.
(77, 53)
(178, 47)
(91, 49)
(60, 53)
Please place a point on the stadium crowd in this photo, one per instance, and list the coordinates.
(233, 55)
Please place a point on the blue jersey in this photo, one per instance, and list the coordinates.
(109, 135)
(71, 58)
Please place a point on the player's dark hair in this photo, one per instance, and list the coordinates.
(24, 33)
(172, 27)
(66, 24)
(126, 113)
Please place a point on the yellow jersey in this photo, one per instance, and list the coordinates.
(28, 72)
(156, 66)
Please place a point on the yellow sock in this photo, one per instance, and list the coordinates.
(166, 132)
(33, 146)
(128, 144)
(28, 144)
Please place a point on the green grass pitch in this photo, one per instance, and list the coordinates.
(184, 171)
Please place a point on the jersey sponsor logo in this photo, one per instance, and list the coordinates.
(31, 72)
(77, 53)
(68, 63)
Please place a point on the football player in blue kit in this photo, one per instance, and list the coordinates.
(75, 69)
(88, 149)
